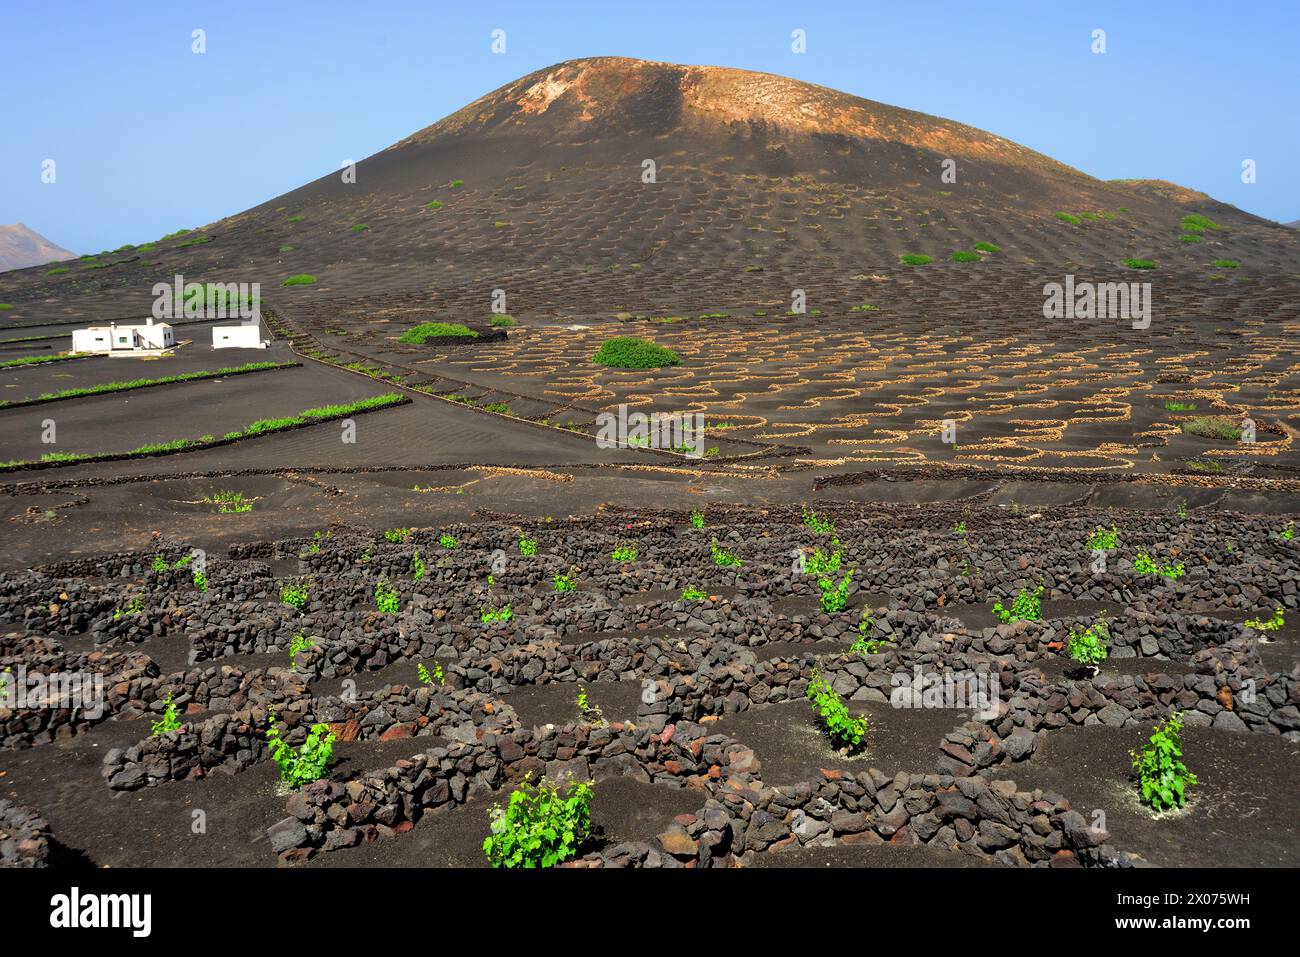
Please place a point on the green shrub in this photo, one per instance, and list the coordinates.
(1196, 223)
(820, 564)
(427, 678)
(631, 352)
(624, 553)
(489, 615)
(1191, 238)
(299, 643)
(169, 721)
(563, 583)
(988, 248)
(835, 595)
(1273, 624)
(1227, 264)
(360, 227)
(965, 257)
(295, 595)
(1162, 775)
(697, 519)
(724, 557)
(815, 522)
(864, 644)
(302, 279)
(539, 827)
(844, 730)
(435, 204)
(503, 322)
(457, 183)
(448, 541)
(437, 330)
(228, 503)
(386, 599)
(915, 259)
(1212, 427)
(527, 546)
(1026, 606)
(1139, 263)
(1068, 218)
(1144, 564)
(1088, 646)
(1103, 539)
(691, 593)
(308, 763)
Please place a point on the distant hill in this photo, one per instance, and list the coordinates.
(21, 247)
(1294, 225)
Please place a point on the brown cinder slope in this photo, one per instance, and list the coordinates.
(21, 247)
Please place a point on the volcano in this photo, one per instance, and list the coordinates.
(610, 165)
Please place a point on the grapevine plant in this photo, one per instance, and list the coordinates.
(540, 827)
(1162, 775)
(386, 599)
(1088, 646)
(1273, 624)
(724, 557)
(835, 596)
(309, 762)
(844, 730)
(1026, 606)
(169, 721)
(1144, 564)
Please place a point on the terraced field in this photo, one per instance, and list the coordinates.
(938, 564)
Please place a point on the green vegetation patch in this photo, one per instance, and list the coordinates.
(1068, 218)
(437, 330)
(915, 259)
(1140, 263)
(1227, 264)
(988, 248)
(1212, 427)
(302, 279)
(1196, 223)
(129, 384)
(631, 352)
(38, 360)
(965, 257)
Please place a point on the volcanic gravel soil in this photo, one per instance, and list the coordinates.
(1242, 811)
(709, 754)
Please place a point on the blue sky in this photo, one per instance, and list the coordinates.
(149, 137)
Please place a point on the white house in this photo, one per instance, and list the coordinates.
(133, 339)
(238, 337)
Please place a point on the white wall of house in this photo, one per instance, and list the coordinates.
(114, 338)
(91, 340)
(238, 337)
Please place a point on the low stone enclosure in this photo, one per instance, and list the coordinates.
(79, 642)
(24, 836)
